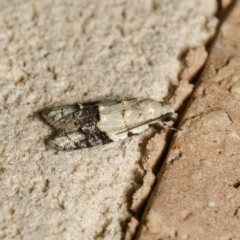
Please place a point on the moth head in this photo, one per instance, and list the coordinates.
(168, 117)
(168, 111)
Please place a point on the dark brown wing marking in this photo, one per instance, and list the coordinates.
(82, 138)
(72, 117)
(76, 126)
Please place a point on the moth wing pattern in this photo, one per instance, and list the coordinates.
(55, 115)
(71, 117)
(77, 140)
(75, 126)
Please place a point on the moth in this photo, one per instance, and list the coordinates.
(84, 125)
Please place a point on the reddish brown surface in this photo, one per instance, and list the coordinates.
(198, 194)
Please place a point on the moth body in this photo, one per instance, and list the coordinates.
(97, 123)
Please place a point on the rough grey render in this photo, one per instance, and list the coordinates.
(60, 52)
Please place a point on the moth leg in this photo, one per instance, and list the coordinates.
(125, 142)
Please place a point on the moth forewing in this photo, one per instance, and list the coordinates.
(55, 114)
(90, 124)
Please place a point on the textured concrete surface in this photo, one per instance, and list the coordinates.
(158, 144)
(198, 191)
(60, 52)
